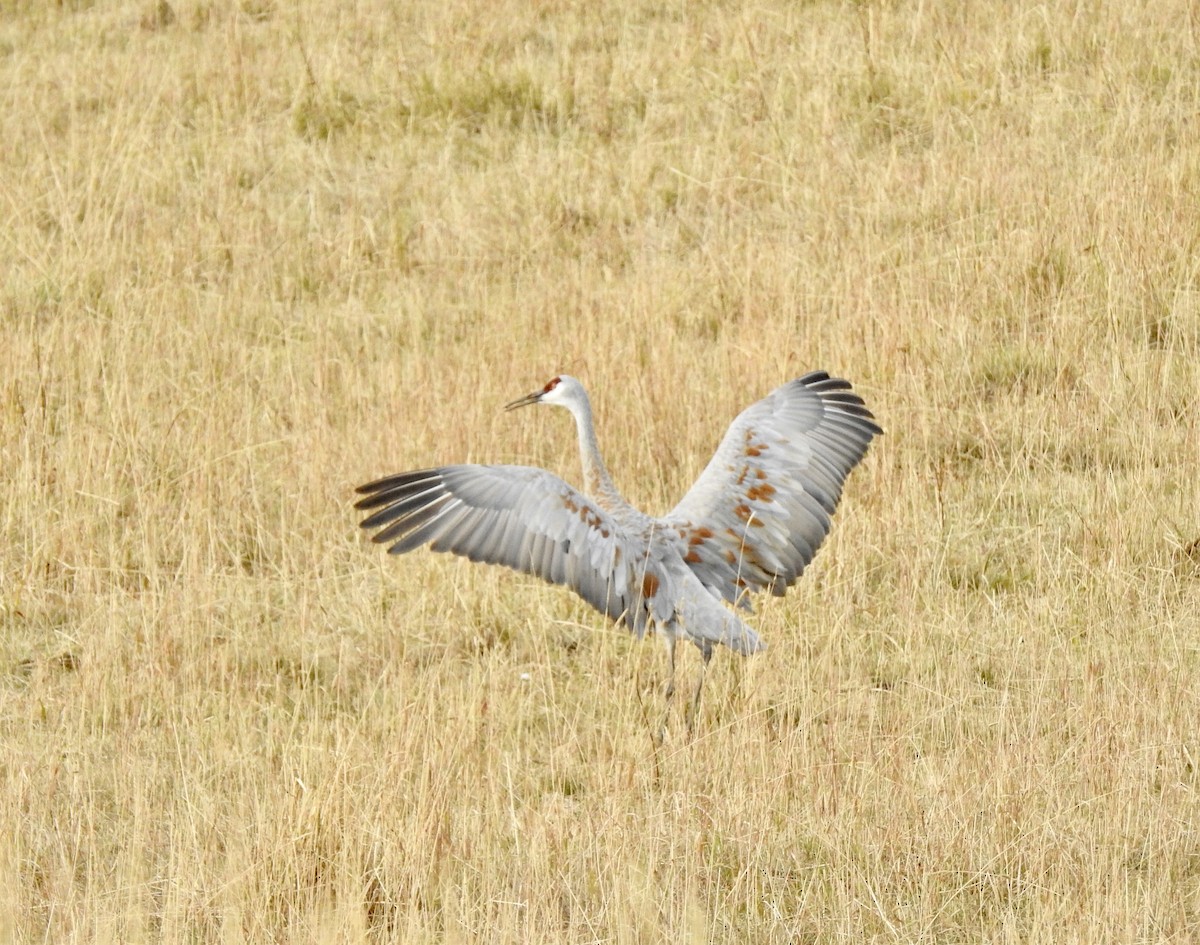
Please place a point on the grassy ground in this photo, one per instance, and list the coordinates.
(256, 253)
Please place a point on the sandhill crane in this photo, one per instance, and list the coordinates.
(752, 521)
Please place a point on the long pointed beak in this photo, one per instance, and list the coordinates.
(525, 401)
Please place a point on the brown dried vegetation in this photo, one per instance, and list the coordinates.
(255, 253)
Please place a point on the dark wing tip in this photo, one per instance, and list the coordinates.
(813, 377)
(377, 490)
(839, 392)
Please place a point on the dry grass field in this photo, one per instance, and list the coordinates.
(256, 252)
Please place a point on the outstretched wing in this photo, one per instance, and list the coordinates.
(760, 510)
(526, 519)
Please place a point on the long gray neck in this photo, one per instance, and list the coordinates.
(596, 480)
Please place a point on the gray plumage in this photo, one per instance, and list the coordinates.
(752, 521)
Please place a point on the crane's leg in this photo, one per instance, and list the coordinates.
(670, 690)
(706, 652)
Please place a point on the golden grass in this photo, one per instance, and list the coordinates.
(255, 253)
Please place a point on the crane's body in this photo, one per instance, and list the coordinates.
(751, 522)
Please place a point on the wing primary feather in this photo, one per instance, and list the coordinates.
(483, 541)
(383, 491)
(414, 518)
(401, 503)
(424, 531)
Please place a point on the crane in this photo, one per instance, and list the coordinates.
(752, 521)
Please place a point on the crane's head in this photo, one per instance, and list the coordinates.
(563, 390)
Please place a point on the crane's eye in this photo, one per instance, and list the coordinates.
(551, 384)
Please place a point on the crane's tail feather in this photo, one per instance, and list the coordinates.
(706, 621)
